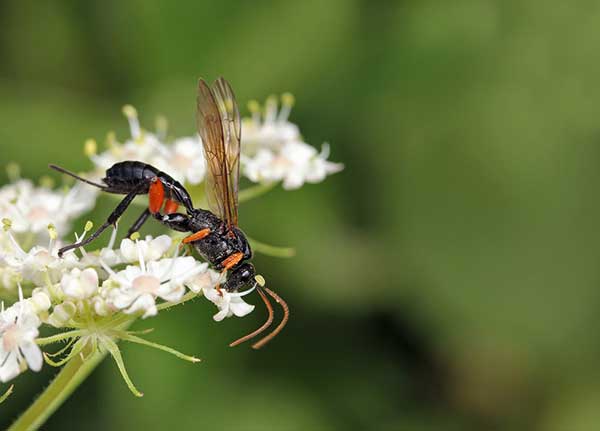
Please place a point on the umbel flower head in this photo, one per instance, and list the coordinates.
(92, 298)
(274, 150)
(89, 297)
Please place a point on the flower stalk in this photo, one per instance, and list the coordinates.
(64, 384)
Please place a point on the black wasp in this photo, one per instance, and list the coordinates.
(214, 234)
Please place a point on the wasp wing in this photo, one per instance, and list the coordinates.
(219, 126)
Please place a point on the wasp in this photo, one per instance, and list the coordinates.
(214, 233)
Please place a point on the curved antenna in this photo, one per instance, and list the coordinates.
(264, 326)
(77, 177)
(286, 316)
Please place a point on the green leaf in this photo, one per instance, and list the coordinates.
(113, 349)
(76, 350)
(135, 339)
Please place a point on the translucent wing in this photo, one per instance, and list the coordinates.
(218, 120)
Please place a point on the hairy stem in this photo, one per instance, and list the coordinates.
(63, 385)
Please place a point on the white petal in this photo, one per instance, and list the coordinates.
(10, 368)
(158, 247)
(130, 272)
(200, 282)
(212, 295)
(293, 180)
(61, 314)
(144, 303)
(128, 250)
(122, 298)
(171, 293)
(33, 355)
(40, 301)
(110, 257)
(221, 315)
(298, 152)
(240, 308)
(89, 280)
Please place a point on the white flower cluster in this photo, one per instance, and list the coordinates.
(29, 210)
(272, 148)
(71, 292)
(182, 159)
(32, 208)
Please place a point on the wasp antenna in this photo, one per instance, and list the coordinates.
(77, 177)
(264, 326)
(286, 317)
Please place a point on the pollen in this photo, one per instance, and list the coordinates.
(111, 139)
(90, 147)
(253, 106)
(6, 224)
(13, 171)
(161, 123)
(129, 111)
(288, 99)
(46, 182)
(52, 231)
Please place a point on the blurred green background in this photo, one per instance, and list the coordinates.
(447, 279)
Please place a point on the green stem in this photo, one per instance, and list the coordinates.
(7, 394)
(77, 370)
(271, 250)
(63, 385)
(255, 191)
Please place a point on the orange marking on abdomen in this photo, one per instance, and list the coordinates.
(170, 206)
(156, 196)
(232, 260)
(196, 236)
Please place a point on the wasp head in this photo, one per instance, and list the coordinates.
(242, 276)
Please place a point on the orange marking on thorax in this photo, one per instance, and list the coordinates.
(156, 196)
(170, 206)
(232, 260)
(196, 236)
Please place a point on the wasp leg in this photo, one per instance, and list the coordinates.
(232, 260)
(171, 206)
(139, 222)
(176, 221)
(112, 219)
(156, 195)
(196, 236)
(228, 263)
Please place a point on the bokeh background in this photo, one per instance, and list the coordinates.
(447, 279)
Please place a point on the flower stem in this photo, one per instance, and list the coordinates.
(63, 385)
(255, 191)
(7, 394)
(271, 250)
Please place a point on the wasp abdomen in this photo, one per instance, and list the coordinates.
(122, 176)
